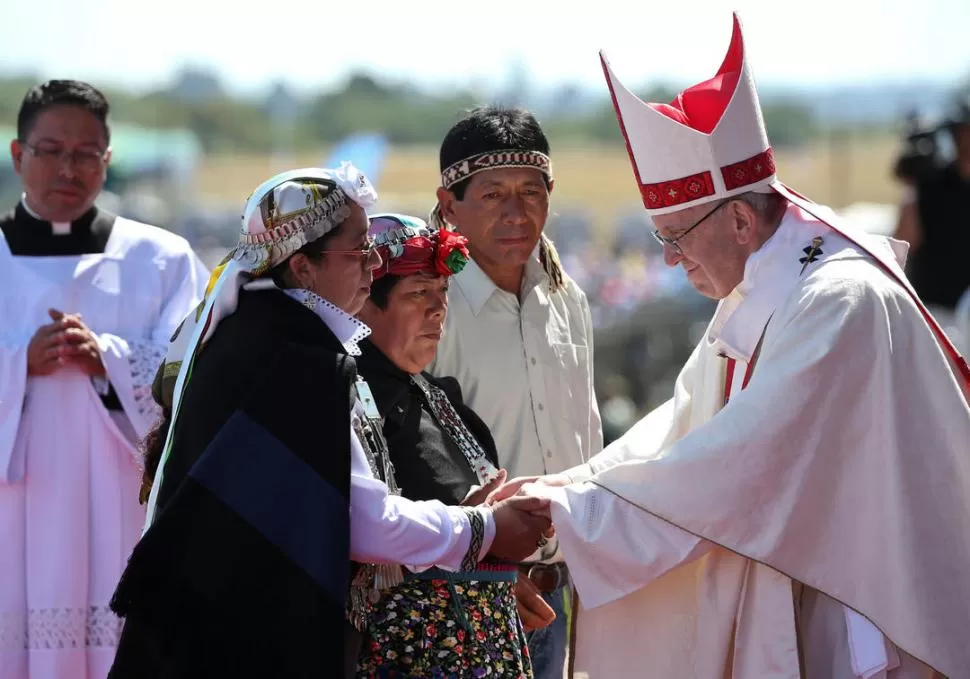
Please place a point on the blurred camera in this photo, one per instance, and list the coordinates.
(923, 152)
(920, 155)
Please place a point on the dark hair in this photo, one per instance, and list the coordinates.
(494, 128)
(490, 128)
(380, 289)
(153, 446)
(313, 250)
(61, 93)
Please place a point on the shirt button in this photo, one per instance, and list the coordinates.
(541, 407)
(533, 360)
(548, 453)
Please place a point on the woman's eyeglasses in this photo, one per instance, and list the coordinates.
(364, 252)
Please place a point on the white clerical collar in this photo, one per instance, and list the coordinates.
(769, 276)
(348, 330)
(58, 228)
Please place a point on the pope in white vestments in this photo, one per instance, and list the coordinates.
(801, 506)
(89, 302)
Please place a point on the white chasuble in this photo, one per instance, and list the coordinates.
(730, 541)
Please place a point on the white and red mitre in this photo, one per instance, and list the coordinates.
(710, 143)
(707, 144)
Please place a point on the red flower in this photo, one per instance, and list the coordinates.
(451, 253)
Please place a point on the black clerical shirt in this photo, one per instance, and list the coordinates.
(28, 236)
(428, 464)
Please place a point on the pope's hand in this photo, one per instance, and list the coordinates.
(509, 489)
(520, 525)
(478, 494)
(514, 487)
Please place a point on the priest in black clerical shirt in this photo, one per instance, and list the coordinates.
(88, 301)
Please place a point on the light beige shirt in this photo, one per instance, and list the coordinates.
(526, 368)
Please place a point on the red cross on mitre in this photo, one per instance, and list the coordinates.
(708, 143)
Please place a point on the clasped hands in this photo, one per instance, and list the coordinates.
(522, 518)
(66, 341)
(522, 525)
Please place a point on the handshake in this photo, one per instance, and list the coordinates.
(522, 519)
(522, 526)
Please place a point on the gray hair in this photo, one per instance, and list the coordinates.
(765, 204)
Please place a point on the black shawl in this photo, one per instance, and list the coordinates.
(428, 465)
(245, 571)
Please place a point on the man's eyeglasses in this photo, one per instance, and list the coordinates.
(674, 242)
(83, 160)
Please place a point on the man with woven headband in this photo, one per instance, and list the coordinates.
(272, 444)
(518, 336)
(440, 450)
(799, 508)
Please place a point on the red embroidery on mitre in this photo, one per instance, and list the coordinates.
(677, 191)
(701, 106)
(750, 171)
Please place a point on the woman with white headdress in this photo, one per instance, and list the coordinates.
(250, 564)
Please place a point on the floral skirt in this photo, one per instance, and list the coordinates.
(445, 629)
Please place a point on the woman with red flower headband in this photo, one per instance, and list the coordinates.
(435, 622)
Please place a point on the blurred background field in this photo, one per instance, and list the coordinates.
(200, 120)
(596, 179)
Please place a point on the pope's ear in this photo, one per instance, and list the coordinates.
(745, 222)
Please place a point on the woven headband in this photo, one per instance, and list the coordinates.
(490, 160)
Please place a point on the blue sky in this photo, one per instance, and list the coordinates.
(444, 44)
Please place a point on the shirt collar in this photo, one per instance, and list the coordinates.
(348, 330)
(57, 228)
(770, 274)
(478, 288)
